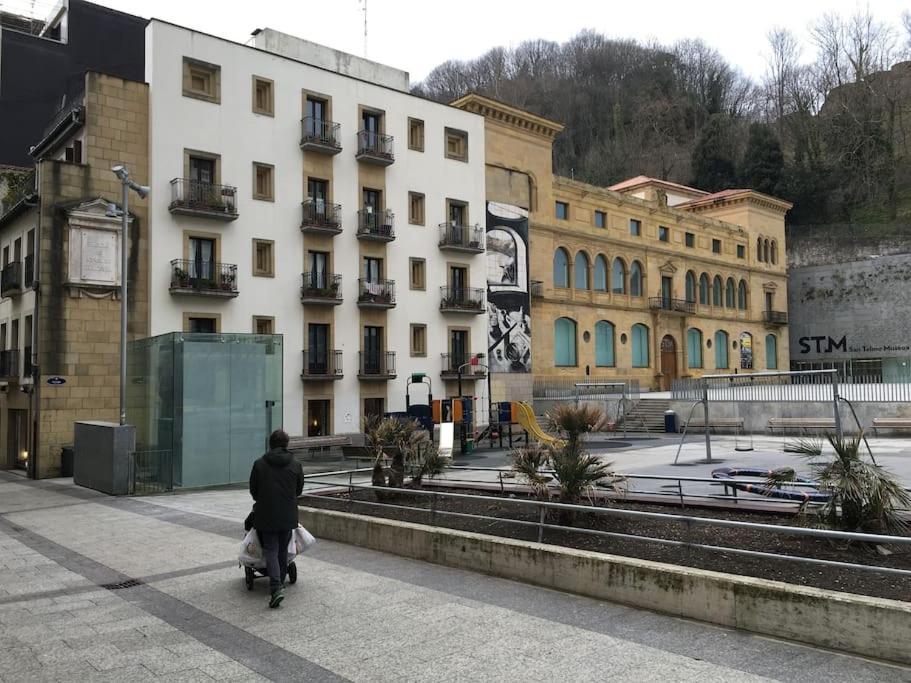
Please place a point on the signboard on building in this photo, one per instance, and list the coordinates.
(508, 303)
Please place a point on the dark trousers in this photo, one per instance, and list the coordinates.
(275, 552)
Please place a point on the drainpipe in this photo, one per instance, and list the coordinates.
(35, 395)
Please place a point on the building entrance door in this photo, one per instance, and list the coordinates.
(17, 439)
(668, 362)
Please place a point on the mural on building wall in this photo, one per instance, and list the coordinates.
(508, 305)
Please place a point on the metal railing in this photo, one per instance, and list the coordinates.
(151, 472)
(203, 276)
(661, 303)
(318, 213)
(378, 364)
(373, 144)
(320, 132)
(467, 237)
(29, 271)
(452, 362)
(197, 196)
(775, 317)
(376, 292)
(376, 223)
(321, 285)
(569, 388)
(322, 363)
(9, 363)
(11, 278)
(462, 299)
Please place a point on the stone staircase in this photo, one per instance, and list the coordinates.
(647, 415)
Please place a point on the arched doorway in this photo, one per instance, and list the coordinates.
(668, 362)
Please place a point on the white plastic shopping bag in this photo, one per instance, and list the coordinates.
(302, 539)
(251, 553)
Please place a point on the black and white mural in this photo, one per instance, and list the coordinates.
(508, 303)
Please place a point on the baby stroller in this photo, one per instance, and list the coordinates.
(251, 553)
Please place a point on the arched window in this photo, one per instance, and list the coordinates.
(729, 293)
(618, 276)
(564, 342)
(640, 346)
(691, 286)
(704, 289)
(742, 295)
(721, 350)
(635, 279)
(746, 351)
(774, 252)
(600, 273)
(580, 271)
(604, 344)
(771, 352)
(561, 268)
(694, 348)
(759, 249)
(716, 291)
(765, 251)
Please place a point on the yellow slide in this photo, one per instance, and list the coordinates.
(529, 423)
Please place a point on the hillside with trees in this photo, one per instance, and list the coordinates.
(828, 128)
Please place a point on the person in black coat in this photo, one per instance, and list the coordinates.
(275, 483)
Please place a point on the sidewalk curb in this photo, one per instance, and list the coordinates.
(871, 627)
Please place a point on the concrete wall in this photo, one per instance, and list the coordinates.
(871, 627)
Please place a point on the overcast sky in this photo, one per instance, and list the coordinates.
(417, 35)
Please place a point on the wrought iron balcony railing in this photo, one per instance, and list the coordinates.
(453, 361)
(466, 238)
(462, 299)
(320, 216)
(775, 317)
(9, 363)
(319, 135)
(11, 279)
(318, 287)
(379, 365)
(196, 198)
(322, 364)
(375, 293)
(203, 277)
(375, 148)
(661, 303)
(375, 224)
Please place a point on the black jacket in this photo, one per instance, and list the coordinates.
(275, 483)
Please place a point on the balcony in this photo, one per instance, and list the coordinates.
(376, 225)
(668, 305)
(29, 271)
(320, 136)
(775, 317)
(376, 365)
(204, 200)
(537, 289)
(321, 289)
(321, 365)
(321, 217)
(462, 300)
(11, 279)
(463, 238)
(378, 294)
(373, 148)
(452, 363)
(9, 364)
(204, 278)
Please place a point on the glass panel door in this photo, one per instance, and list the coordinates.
(202, 257)
(373, 269)
(458, 347)
(666, 290)
(319, 267)
(318, 349)
(373, 349)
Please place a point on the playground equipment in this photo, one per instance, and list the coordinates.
(528, 421)
(420, 412)
(725, 473)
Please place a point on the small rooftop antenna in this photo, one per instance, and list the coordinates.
(363, 4)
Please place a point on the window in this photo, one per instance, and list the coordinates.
(766, 254)
(418, 340)
(318, 277)
(640, 346)
(618, 277)
(704, 289)
(771, 352)
(416, 273)
(729, 293)
(458, 348)
(716, 246)
(741, 251)
(561, 268)
(774, 252)
(690, 240)
(3, 337)
(201, 80)
(202, 254)
(694, 348)
(717, 288)
(14, 334)
(635, 227)
(691, 286)
(664, 234)
(416, 135)
(457, 213)
(600, 219)
(318, 417)
(456, 144)
(580, 271)
(416, 208)
(373, 359)
(562, 209)
(721, 350)
(742, 295)
(201, 324)
(759, 249)
(604, 344)
(374, 407)
(372, 269)
(263, 99)
(263, 324)
(263, 181)
(635, 279)
(600, 273)
(564, 342)
(263, 258)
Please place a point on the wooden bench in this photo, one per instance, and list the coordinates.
(804, 424)
(316, 445)
(715, 423)
(891, 423)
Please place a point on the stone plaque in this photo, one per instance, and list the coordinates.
(99, 256)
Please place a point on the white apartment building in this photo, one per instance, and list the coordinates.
(312, 196)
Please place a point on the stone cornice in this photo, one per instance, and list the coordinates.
(508, 115)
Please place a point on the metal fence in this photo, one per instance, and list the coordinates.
(151, 472)
(584, 388)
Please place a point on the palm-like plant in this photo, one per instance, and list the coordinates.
(407, 443)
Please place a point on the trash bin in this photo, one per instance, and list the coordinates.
(469, 446)
(66, 461)
(670, 421)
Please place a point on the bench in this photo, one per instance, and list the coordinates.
(715, 423)
(891, 423)
(314, 445)
(804, 424)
